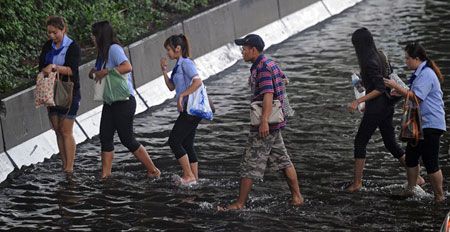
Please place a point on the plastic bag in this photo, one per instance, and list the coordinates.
(116, 87)
(198, 104)
(99, 88)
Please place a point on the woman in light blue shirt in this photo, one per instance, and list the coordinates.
(119, 115)
(425, 83)
(184, 80)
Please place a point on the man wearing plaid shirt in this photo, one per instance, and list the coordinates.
(265, 144)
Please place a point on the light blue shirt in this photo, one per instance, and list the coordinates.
(182, 75)
(116, 57)
(426, 86)
(59, 58)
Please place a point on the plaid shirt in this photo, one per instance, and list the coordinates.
(267, 77)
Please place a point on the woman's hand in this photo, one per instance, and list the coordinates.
(99, 75)
(353, 106)
(48, 69)
(180, 103)
(163, 64)
(389, 83)
(91, 73)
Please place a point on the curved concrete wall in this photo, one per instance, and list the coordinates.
(22, 120)
(2, 145)
(287, 7)
(26, 129)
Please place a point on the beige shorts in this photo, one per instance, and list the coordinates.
(261, 152)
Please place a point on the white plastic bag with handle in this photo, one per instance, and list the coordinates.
(99, 88)
(198, 104)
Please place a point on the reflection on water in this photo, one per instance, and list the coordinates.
(319, 137)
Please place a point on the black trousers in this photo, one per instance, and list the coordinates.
(181, 138)
(369, 123)
(118, 116)
(428, 148)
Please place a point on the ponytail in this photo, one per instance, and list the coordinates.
(415, 50)
(436, 69)
(179, 40)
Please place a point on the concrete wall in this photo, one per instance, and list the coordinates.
(210, 30)
(6, 166)
(22, 121)
(287, 7)
(26, 129)
(145, 55)
(1, 139)
(250, 15)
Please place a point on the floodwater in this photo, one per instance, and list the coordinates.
(319, 137)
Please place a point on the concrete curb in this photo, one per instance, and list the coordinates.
(27, 136)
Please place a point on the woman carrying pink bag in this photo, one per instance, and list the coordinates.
(60, 54)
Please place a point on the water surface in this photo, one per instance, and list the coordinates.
(319, 137)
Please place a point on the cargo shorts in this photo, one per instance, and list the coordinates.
(260, 152)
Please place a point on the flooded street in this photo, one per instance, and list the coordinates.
(319, 62)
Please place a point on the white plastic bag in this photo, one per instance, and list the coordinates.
(198, 104)
(99, 88)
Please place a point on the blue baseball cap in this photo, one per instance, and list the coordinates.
(251, 40)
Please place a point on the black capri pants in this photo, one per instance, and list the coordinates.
(369, 123)
(181, 138)
(428, 148)
(118, 116)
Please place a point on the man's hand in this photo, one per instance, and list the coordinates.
(263, 129)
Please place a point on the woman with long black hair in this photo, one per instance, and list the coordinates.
(378, 111)
(118, 115)
(425, 84)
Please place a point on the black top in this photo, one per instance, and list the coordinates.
(372, 76)
(72, 60)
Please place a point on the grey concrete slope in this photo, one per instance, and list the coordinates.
(250, 15)
(287, 7)
(2, 145)
(145, 55)
(210, 30)
(22, 121)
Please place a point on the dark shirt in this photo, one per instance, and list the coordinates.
(72, 60)
(372, 76)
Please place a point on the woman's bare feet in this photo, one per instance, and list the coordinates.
(184, 181)
(105, 176)
(297, 201)
(420, 181)
(439, 199)
(156, 173)
(234, 206)
(354, 187)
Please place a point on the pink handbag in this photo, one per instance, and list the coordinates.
(44, 92)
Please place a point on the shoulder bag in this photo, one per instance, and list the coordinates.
(411, 126)
(63, 92)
